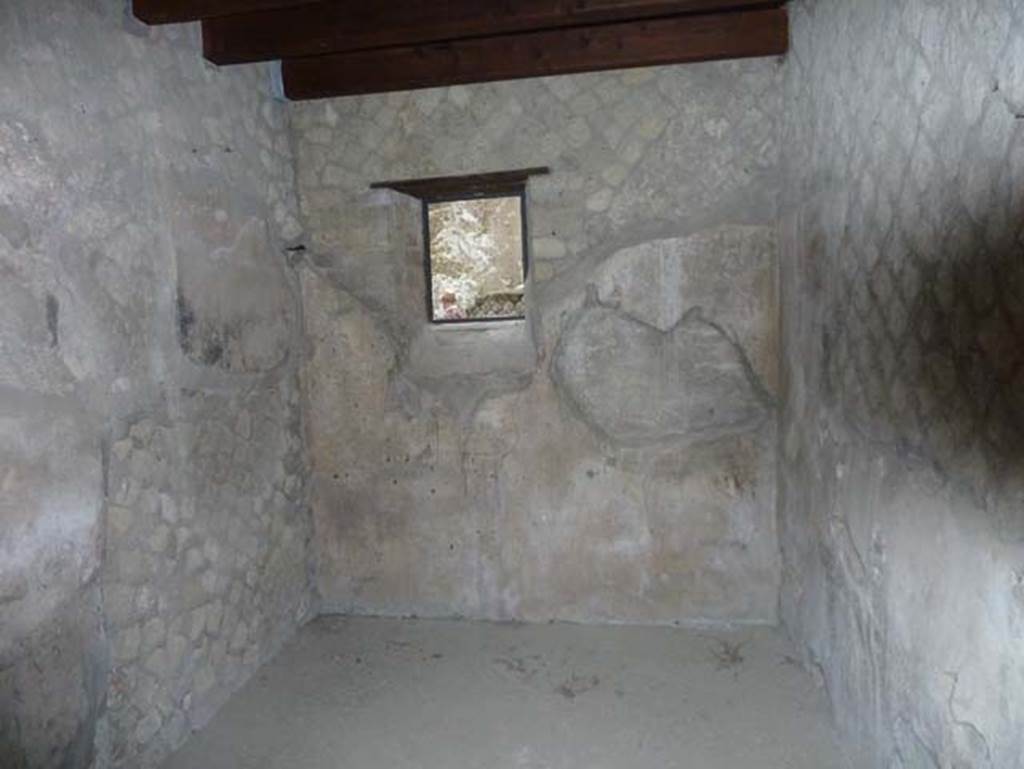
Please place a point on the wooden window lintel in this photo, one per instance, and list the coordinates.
(464, 187)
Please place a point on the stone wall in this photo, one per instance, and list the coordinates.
(153, 525)
(902, 445)
(611, 458)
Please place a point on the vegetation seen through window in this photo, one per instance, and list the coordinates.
(476, 259)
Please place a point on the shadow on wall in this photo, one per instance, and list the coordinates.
(903, 546)
(924, 348)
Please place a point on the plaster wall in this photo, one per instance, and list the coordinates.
(153, 524)
(902, 431)
(611, 458)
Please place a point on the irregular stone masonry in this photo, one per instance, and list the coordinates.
(205, 571)
(544, 469)
(154, 524)
(902, 488)
(156, 527)
(924, 346)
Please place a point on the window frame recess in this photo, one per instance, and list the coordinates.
(452, 189)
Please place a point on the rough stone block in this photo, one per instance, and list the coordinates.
(638, 385)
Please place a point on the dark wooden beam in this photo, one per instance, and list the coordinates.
(482, 185)
(534, 54)
(176, 11)
(337, 26)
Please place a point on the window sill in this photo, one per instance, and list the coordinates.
(478, 325)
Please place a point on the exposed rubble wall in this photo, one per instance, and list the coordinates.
(153, 522)
(902, 439)
(611, 458)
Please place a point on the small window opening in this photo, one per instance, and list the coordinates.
(475, 243)
(476, 259)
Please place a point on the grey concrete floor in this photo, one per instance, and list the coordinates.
(396, 694)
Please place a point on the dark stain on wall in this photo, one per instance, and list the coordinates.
(186, 323)
(197, 341)
(52, 319)
(926, 351)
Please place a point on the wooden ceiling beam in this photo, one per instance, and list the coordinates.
(338, 26)
(675, 40)
(178, 11)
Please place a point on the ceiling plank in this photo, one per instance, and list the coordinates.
(536, 54)
(177, 11)
(336, 26)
